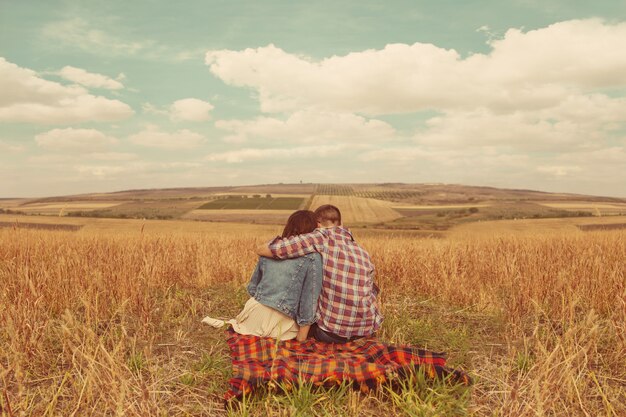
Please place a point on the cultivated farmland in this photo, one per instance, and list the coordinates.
(426, 207)
(359, 210)
(238, 202)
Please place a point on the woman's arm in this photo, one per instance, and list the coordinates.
(255, 279)
(311, 288)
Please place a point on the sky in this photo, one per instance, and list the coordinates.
(106, 96)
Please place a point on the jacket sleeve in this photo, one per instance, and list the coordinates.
(311, 288)
(296, 246)
(255, 279)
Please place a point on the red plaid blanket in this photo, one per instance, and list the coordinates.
(366, 363)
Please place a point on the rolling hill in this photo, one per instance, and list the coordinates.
(386, 205)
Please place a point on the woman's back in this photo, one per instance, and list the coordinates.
(290, 286)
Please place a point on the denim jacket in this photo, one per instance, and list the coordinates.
(291, 286)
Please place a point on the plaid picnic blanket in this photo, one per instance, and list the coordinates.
(366, 363)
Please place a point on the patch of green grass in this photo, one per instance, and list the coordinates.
(430, 332)
(188, 379)
(419, 396)
(433, 326)
(212, 364)
(303, 400)
(415, 395)
(136, 362)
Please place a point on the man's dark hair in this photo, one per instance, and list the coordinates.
(300, 222)
(328, 214)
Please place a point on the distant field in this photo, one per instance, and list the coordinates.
(584, 205)
(277, 217)
(358, 210)
(64, 208)
(40, 226)
(11, 203)
(533, 226)
(260, 195)
(595, 208)
(424, 207)
(596, 227)
(367, 191)
(254, 203)
(152, 194)
(117, 225)
(438, 207)
(141, 209)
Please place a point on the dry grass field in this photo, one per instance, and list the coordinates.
(357, 209)
(106, 320)
(530, 227)
(598, 209)
(61, 209)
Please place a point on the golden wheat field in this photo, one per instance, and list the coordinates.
(357, 209)
(105, 321)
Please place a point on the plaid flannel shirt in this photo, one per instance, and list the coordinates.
(347, 304)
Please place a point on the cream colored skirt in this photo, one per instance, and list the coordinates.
(260, 320)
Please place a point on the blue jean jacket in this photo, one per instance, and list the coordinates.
(291, 286)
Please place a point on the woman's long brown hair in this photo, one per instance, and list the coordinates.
(300, 222)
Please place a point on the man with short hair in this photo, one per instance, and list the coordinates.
(347, 306)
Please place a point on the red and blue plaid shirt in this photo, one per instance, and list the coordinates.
(347, 304)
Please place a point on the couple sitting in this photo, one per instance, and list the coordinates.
(313, 281)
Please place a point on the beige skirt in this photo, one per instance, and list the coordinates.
(260, 320)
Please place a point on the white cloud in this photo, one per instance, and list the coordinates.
(396, 154)
(84, 35)
(580, 53)
(254, 154)
(181, 165)
(145, 169)
(77, 140)
(187, 109)
(78, 33)
(309, 126)
(559, 171)
(517, 130)
(89, 79)
(150, 108)
(454, 160)
(26, 97)
(106, 171)
(111, 156)
(536, 69)
(577, 122)
(179, 140)
(191, 109)
(9, 147)
(603, 166)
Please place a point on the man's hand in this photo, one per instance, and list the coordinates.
(303, 332)
(264, 250)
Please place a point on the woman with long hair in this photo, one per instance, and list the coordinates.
(283, 293)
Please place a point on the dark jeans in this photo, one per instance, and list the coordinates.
(328, 337)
